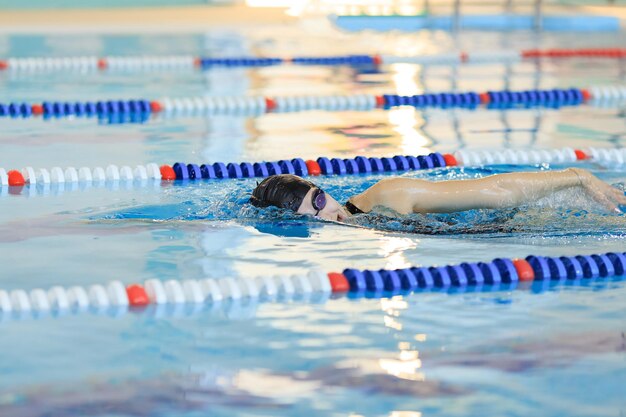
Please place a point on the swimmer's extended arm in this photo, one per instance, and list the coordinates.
(407, 195)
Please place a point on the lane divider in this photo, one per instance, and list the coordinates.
(141, 109)
(189, 62)
(143, 174)
(298, 287)
(608, 156)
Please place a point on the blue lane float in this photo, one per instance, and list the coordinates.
(297, 166)
(496, 272)
(353, 60)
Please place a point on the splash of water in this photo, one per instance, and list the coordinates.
(566, 212)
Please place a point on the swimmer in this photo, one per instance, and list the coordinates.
(411, 195)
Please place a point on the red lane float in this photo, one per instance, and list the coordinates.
(450, 160)
(313, 167)
(167, 173)
(155, 106)
(338, 282)
(571, 53)
(580, 155)
(270, 104)
(16, 178)
(137, 295)
(524, 270)
(37, 109)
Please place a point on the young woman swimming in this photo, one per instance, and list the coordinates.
(411, 195)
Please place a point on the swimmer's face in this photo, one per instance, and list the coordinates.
(291, 192)
(332, 211)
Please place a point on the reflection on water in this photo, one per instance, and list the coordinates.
(397, 363)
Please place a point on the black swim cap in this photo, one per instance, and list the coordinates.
(284, 191)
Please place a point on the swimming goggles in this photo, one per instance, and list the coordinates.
(318, 200)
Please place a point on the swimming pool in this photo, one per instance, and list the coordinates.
(547, 351)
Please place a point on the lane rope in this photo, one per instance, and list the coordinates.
(190, 62)
(19, 303)
(139, 110)
(15, 181)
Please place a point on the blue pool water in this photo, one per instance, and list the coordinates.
(540, 350)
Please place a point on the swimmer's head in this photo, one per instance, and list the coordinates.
(294, 193)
